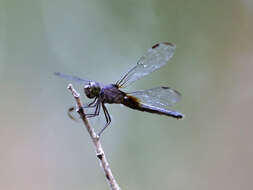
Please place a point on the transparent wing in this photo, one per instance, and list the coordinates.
(153, 59)
(161, 97)
(73, 78)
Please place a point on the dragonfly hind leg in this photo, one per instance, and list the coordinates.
(108, 119)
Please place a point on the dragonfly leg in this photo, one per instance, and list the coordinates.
(97, 110)
(70, 110)
(90, 105)
(107, 117)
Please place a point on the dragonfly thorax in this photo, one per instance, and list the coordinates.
(92, 89)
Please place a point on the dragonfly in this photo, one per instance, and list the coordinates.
(156, 100)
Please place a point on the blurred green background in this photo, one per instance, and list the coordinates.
(41, 148)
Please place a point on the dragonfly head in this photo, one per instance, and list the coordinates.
(92, 89)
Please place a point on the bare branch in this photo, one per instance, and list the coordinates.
(95, 139)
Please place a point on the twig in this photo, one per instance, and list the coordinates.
(95, 139)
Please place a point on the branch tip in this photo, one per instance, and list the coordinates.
(73, 91)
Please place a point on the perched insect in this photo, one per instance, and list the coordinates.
(155, 100)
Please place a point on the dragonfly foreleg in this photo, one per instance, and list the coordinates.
(107, 117)
(70, 110)
(90, 105)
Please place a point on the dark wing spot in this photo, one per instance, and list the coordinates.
(165, 87)
(155, 46)
(165, 43)
(169, 44)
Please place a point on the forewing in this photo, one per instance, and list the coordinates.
(161, 97)
(153, 59)
(73, 78)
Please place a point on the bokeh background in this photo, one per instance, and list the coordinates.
(41, 148)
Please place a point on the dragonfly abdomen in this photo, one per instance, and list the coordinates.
(135, 103)
(160, 111)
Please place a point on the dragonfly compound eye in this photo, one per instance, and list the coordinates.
(92, 90)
